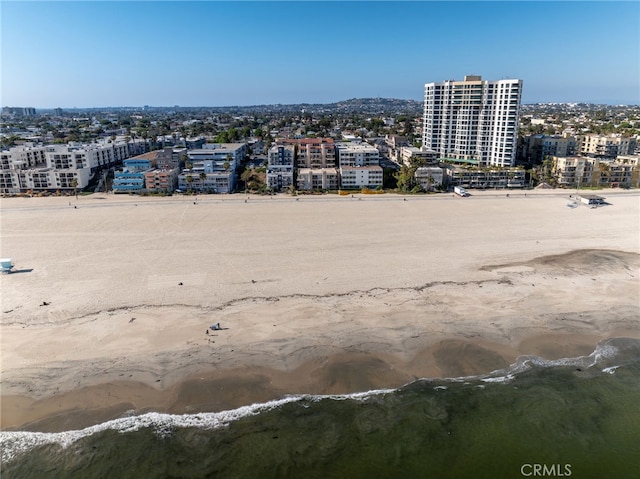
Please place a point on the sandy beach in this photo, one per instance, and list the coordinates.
(108, 308)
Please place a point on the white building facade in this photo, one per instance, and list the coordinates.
(429, 177)
(56, 167)
(473, 119)
(409, 155)
(607, 147)
(359, 165)
(357, 154)
(317, 179)
(213, 168)
(280, 167)
(361, 177)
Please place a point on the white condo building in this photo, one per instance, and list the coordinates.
(474, 120)
(280, 166)
(56, 167)
(213, 168)
(359, 165)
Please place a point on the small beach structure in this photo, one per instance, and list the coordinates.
(592, 200)
(6, 264)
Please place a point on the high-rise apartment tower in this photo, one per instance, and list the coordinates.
(474, 119)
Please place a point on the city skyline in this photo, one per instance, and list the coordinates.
(116, 54)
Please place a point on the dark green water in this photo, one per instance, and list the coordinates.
(569, 417)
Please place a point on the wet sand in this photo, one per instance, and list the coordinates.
(323, 295)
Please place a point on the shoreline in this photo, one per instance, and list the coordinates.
(227, 389)
(315, 297)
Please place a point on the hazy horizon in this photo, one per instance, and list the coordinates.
(116, 107)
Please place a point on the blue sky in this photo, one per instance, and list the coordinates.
(204, 53)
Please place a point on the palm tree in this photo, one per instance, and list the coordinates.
(203, 177)
(604, 172)
(246, 177)
(430, 182)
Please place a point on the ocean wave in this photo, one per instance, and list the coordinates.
(605, 352)
(15, 443)
(498, 379)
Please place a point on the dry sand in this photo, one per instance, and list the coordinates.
(315, 294)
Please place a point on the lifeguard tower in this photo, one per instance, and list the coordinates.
(6, 264)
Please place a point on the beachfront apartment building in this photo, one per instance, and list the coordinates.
(317, 179)
(606, 147)
(154, 171)
(536, 148)
(161, 180)
(482, 178)
(41, 179)
(280, 164)
(56, 167)
(583, 171)
(357, 154)
(25, 156)
(474, 120)
(131, 179)
(312, 152)
(359, 165)
(213, 168)
(429, 177)
(197, 180)
(573, 171)
(315, 160)
(411, 155)
(217, 154)
(361, 177)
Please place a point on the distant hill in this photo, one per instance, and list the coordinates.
(391, 105)
(365, 106)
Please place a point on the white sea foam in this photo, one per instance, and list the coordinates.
(14, 443)
(499, 379)
(357, 396)
(602, 352)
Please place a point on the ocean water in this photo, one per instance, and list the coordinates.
(575, 417)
